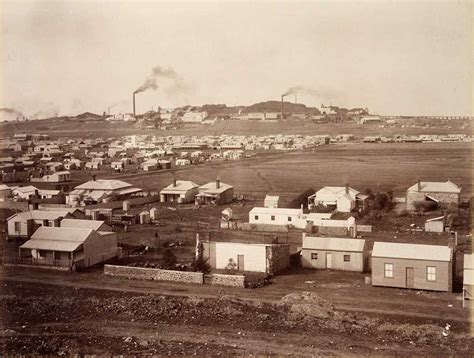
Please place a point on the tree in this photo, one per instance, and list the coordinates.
(169, 259)
(200, 264)
(302, 199)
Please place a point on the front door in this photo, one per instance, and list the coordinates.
(410, 276)
(328, 260)
(240, 262)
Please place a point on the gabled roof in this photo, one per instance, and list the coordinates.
(42, 214)
(212, 188)
(25, 189)
(333, 244)
(181, 185)
(411, 251)
(103, 184)
(82, 224)
(332, 193)
(57, 239)
(436, 187)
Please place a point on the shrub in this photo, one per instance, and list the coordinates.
(424, 206)
(169, 259)
(200, 264)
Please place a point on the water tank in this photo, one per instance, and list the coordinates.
(144, 217)
(126, 206)
(154, 214)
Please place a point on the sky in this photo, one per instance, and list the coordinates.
(400, 58)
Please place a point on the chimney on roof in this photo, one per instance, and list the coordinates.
(93, 177)
(218, 183)
(419, 185)
(347, 188)
(174, 182)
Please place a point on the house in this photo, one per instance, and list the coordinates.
(28, 192)
(343, 198)
(58, 177)
(442, 193)
(215, 193)
(268, 258)
(118, 166)
(435, 224)
(69, 247)
(424, 267)
(275, 216)
(24, 224)
(333, 253)
(150, 165)
(194, 117)
(5, 192)
(182, 161)
(98, 190)
(468, 277)
(97, 225)
(180, 191)
(271, 201)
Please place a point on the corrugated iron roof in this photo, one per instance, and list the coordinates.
(411, 251)
(181, 185)
(436, 187)
(333, 244)
(56, 245)
(274, 211)
(82, 224)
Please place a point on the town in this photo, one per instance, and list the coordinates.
(243, 178)
(179, 211)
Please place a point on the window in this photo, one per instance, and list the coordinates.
(256, 217)
(273, 218)
(17, 226)
(388, 270)
(347, 258)
(430, 273)
(314, 256)
(289, 218)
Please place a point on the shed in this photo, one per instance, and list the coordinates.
(424, 267)
(468, 276)
(435, 224)
(333, 253)
(268, 258)
(271, 201)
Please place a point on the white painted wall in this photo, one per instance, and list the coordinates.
(254, 255)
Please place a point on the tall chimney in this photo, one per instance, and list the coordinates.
(134, 104)
(174, 182)
(93, 177)
(347, 188)
(419, 185)
(218, 183)
(282, 96)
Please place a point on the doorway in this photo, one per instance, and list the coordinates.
(328, 260)
(240, 262)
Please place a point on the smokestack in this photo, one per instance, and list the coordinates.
(282, 96)
(134, 104)
(218, 183)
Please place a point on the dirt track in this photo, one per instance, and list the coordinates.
(40, 319)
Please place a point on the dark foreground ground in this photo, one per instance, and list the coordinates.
(151, 318)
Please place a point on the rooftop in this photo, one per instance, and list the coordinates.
(411, 251)
(103, 184)
(435, 187)
(333, 244)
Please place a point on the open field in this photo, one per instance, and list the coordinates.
(390, 166)
(171, 319)
(76, 128)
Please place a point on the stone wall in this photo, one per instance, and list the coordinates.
(225, 280)
(264, 227)
(141, 273)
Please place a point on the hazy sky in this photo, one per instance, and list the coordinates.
(395, 58)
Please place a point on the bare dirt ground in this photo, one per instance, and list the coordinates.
(327, 313)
